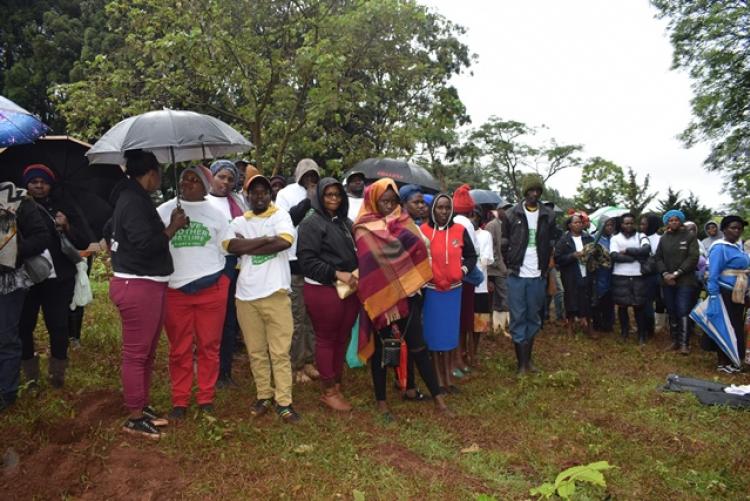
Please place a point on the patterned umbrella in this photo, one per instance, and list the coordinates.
(18, 126)
(711, 316)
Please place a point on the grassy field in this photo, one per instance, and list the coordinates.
(595, 400)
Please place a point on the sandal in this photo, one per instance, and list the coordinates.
(418, 396)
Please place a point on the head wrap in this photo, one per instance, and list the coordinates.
(203, 173)
(220, 165)
(531, 181)
(373, 194)
(727, 220)
(428, 198)
(38, 170)
(673, 213)
(407, 191)
(250, 173)
(462, 201)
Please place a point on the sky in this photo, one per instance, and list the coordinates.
(596, 72)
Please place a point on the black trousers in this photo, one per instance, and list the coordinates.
(53, 297)
(414, 338)
(603, 313)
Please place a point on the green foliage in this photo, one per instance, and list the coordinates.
(709, 38)
(565, 483)
(635, 195)
(691, 206)
(503, 150)
(601, 184)
(334, 79)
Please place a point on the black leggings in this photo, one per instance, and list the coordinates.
(417, 349)
(53, 297)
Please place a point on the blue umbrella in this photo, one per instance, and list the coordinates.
(711, 316)
(18, 126)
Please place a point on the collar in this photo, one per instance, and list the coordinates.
(272, 209)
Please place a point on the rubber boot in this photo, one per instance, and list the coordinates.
(57, 372)
(674, 332)
(684, 336)
(521, 358)
(333, 398)
(31, 373)
(529, 364)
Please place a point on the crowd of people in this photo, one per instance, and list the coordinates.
(316, 272)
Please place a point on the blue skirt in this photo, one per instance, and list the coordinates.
(442, 319)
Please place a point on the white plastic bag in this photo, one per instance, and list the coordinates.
(82, 294)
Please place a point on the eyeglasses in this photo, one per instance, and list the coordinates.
(335, 194)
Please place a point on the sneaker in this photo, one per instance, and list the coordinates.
(143, 427)
(287, 414)
(727, 369)
(178, 413)
(206, 408)
(153, 416)
(260, 407)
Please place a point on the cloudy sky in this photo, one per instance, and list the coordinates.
(596, 72)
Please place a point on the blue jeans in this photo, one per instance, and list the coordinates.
(525, 301)
(10, 345)
(679, 300)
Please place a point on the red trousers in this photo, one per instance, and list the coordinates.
(195, 319)
(332, 319)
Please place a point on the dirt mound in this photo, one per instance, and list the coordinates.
(78, 460)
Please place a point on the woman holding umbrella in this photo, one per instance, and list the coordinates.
(727, 286)
(142, 264)
(53, 296)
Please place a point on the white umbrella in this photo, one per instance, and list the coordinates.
(608, 212)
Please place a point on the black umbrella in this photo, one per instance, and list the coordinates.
(401, 171)
(486, 197)
(87, 186)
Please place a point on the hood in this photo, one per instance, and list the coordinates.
(719, 233)
(434, 204)
(317, 202)
(303, 167)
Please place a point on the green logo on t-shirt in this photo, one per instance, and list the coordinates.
(532, 238)
(195, 235)
(260, 259)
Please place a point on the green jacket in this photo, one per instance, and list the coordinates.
(678, 252)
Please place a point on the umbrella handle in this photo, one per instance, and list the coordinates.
(176, 180)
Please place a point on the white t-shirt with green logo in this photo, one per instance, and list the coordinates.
(261, 276)
(530, 265)
(196, 250)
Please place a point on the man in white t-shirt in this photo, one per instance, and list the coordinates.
(355, 188)
(264, 236)
(531, 231)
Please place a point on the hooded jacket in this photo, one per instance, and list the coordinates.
(137, 239)
(518, 237)
(708, 241)
(324, 243)
(446, 272)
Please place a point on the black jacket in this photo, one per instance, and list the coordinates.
(518, 237)
(79, 235)
(137, 239)
(33, 236)
(325, 244)
(566, 261)
(678, 252)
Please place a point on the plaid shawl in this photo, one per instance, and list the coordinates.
(393, 259)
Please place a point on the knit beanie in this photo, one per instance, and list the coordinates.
(462, 201)
(203, 173)
(531, 181)
(38, 170)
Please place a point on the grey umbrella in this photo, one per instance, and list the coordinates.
(401, 171)
(171, 135)
(489, 197)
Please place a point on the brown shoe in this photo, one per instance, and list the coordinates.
(311, 371)
(335, 400)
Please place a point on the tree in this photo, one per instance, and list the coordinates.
(505, 150)
(672, 200)
(691, 206)
(336, 80)
(710, 40)
(601, 185)
(635, 195)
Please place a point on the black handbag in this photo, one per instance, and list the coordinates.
(648, 266)
(391, 352)
(69, 250)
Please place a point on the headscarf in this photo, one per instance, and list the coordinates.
(221, 165)
(203, 174)
(407, 191)
(673, 213)
(393, 259)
